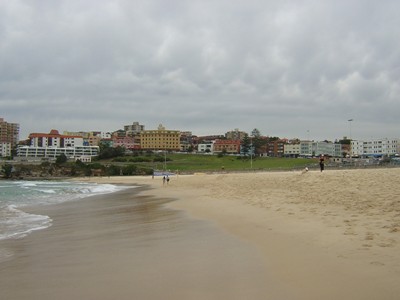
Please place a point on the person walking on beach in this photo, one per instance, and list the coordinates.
(163, 180)
(167, 179)
(321, 163)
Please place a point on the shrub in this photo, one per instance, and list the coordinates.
(7, 170)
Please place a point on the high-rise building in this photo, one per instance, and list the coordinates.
(133, 129)
(9, 137)
(235, 134)
(9, 132)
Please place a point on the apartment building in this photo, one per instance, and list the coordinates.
(311, 148)
(31, 152)
(51, 145)
(9, 137)
(206, 147)
(276, 148)
(379, 147)
(291, 150)
(5, 149)
(94, 139)
(127, 142)
(235, 134)
(54, 139)
(134, 129)
(230, 146)
(160, 139)
(9, 132)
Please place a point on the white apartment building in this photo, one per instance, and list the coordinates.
(105, 135)
(205, 147)
(378, 147)
(54, 139)
(311, 148)
(5, 149)
(356, 148)
(291, 150)
(54, 152)
(53, 144)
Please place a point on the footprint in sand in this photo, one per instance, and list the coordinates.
(385, 245)
(369, 236)
(377, 263)
(349, 231)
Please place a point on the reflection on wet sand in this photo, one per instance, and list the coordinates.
(125, 246)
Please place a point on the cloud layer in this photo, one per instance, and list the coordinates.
(288, 68)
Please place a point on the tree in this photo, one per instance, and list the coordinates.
(345, 141)
(7, 170)
(109, 152)
(222, 153)
(246, 145)
(62, 158)
(256, 133)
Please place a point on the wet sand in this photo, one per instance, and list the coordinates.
(129, 246)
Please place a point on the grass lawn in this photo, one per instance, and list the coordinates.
(192, 163)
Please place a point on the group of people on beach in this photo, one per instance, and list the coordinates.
(165, 179)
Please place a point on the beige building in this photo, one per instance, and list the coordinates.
(9, 137)
(9, 132)
(292, 150)
(235, 135)
(160, 139)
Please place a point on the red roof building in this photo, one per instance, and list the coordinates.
(54, 139)
(230, 146)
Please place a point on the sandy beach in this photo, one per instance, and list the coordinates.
(269, 235)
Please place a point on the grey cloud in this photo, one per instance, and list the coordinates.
(284, 67)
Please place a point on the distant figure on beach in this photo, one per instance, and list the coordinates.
(321, 163)
(163, 180)
(305, 170)
(167, 179)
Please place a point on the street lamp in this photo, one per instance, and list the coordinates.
(351, 150)
(350, 120)
(165, 157)
(251, 152)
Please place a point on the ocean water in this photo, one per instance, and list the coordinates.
(15, 195)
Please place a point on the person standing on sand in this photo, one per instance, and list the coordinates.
(163, 180)
(321, 163)
(167, 179)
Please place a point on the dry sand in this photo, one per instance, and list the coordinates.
(329, 235)
(288, 235)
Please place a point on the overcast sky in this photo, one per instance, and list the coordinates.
(289, 68)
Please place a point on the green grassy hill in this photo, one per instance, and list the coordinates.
(193, 163)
